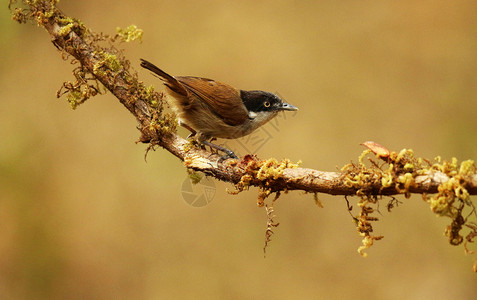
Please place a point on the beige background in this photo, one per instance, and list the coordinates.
(82, 216)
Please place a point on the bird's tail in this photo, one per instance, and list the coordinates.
(169, 80)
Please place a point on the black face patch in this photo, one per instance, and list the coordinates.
(257, 101)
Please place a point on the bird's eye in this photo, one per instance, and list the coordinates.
(266, 104)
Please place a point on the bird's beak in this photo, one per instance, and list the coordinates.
(287, 106)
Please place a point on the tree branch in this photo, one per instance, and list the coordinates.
(70, 36)
(384, 173)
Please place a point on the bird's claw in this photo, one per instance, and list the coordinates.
(228, 154)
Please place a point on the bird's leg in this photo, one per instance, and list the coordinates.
(229, 154)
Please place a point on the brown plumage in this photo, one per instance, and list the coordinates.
(191, 92)
(212, 109)
(224, 100)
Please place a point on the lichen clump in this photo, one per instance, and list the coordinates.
(268, 176)
(453, 198)
(130, 33)
(33, 10)
(101, 66)
(389, 172)
(263, 173)
(107, 63)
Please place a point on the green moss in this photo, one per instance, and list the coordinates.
(149, 94)
(399, 170)
(262, 173)
(467, 168)
(107, 63)
(78, 93)
(195, 177)
(272, 169)
(69, 24)
(75, 97)
(130, 33)
(65, 30)
(409, 167)
(160, 121)
(387, 177)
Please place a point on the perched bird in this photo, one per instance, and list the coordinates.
(211, 109)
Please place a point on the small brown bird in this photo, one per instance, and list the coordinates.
(212, 109)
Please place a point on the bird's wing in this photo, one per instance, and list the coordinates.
(223, 99)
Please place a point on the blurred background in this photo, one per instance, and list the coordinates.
(83, 216)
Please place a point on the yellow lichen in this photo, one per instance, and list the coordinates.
(272, 169)
(387, 177)
(195, 177)
(408, 167)
(403, 153)
(467, 168)
(130, 33)
(107, 63)
(406, 180)
(68, 25)
(444, 203)
(262, 195)
(263, 174)
(362, 156)
(65, 30)
(453, 198)
(369, 178)
(367, 242)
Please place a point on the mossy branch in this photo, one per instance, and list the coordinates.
(383, 174)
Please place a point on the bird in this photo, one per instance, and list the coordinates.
(210, 109)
